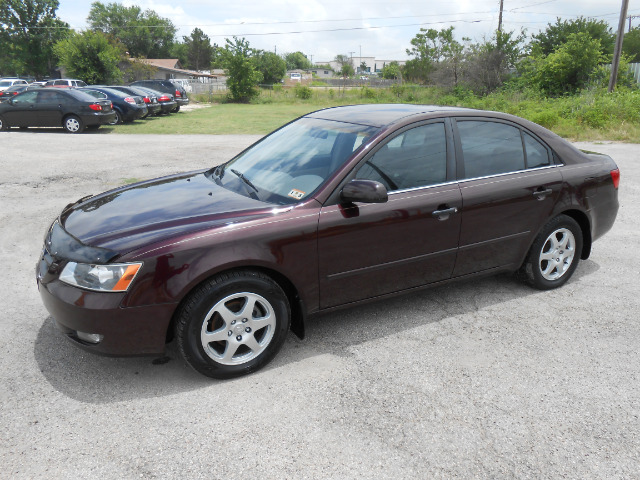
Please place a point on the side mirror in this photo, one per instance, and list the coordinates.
(365, 191)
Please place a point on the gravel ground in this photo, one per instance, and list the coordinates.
(484, 379)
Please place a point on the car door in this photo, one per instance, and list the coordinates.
(21, 110)
(367, 250)
(50, 105)
(509, 185)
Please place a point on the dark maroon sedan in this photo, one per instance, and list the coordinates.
(341, 206)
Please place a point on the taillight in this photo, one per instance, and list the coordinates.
(147, 100)
(95, 107)
(130, 100)
(15, 93)
(615, 176)
(178, 94)
(164, 98)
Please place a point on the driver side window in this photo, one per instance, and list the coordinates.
(25, 98)
(415, 158)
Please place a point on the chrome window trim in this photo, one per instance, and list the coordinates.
(546, 167)
(413, 189)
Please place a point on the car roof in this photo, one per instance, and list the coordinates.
(379, 115)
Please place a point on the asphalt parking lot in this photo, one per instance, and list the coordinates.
(485, 379)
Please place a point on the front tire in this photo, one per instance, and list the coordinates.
(554, 255)
(3, 125)
(233, 324)
(73, 124)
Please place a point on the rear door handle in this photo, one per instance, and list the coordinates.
(541, 193)
(444, 213)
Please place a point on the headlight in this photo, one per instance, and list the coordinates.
(115, 277)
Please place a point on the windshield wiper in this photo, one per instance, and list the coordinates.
(245, 179)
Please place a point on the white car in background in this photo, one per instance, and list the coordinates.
(10, 82)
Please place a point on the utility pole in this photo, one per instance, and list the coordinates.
(351, 54)
(630, 17)
(500, 17)
(618, 48)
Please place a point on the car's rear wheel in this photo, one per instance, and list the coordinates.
(233, 324)
(554, 255)
(73, 124)
(3, 125)
(118, 119)
(176, 110)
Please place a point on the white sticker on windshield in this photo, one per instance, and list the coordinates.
(297, 194)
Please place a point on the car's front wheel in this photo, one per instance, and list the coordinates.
(554, 255)
(3, 125)
(73, 124)
(233, 324)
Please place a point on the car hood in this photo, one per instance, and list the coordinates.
(137, 215)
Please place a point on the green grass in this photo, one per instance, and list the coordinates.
(219, 119)
(593, 115)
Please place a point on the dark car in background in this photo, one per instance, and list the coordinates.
(167, 86)
(341, 206)
(166, 101)
(127, 108)
(53, 107)
(15, 90)
(150, 100)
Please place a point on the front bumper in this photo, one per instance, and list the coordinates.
(125, 331)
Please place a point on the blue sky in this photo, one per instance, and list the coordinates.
(381, 28)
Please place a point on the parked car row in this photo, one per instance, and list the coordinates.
(74, 105)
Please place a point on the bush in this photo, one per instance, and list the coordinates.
(303, 92)
(546, 118)
(369, 93)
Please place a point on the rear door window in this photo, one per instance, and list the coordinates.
(490, 148)
(537, 153)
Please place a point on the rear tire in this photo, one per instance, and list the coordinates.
(554, 255)
(233, 324)
(176, 110)
(118, 119)
(73, 124)
(3, 125)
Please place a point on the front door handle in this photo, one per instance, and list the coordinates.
(444, 214)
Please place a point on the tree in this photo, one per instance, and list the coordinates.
(429, 48)
(91, 57)
(180, 51)
(391, 70)
(558, 34)
(363, 66)
(240, 64)
(145, 34)
(199, 50)
(631, 45)
(487, 64)
(28, 31)
(297, 61)
(272, 67)
(569, 67)
(345, 66)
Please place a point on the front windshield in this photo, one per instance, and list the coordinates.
(293, 162)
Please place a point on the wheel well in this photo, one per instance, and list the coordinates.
(585, 226)
(295, 302)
